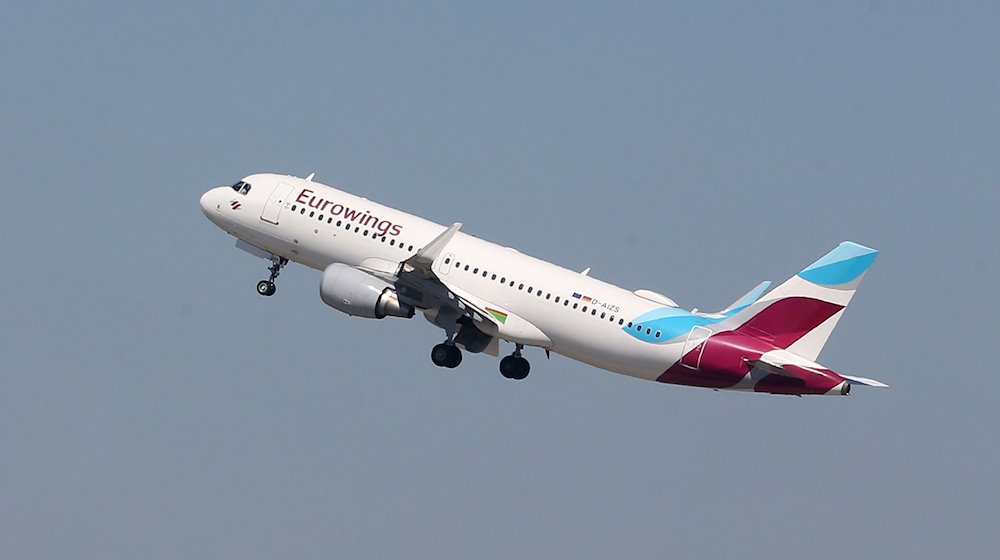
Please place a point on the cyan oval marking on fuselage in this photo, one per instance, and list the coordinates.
(670, 322)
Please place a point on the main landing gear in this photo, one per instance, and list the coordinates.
(449, 356)
(267, 287)
(515, 366)
(446, 355)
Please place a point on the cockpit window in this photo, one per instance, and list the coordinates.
(241, 187)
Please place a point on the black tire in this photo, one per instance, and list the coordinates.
(514, 367)
(266, 288)
(508, 367)
(455, 358)
(523, 368)
(441, 355)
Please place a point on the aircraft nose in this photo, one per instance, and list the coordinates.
(208, 202)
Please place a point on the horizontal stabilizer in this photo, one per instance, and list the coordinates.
(863, 381)
(773, 368)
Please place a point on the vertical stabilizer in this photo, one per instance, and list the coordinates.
(800, 314)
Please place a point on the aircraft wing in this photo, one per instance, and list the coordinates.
(417, 282)
(420, 285)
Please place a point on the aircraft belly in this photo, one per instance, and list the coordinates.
(619, 354)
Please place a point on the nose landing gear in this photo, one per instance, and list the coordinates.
(267, 287)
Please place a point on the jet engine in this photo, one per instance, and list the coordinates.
(360, 294)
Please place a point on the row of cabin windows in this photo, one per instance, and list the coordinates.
(485, 273)
(548, 296)
(357, 229)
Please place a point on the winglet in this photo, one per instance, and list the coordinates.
(747, 298)
(425, 257)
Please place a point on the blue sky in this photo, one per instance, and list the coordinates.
(152, 405)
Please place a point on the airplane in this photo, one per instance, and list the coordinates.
(381, 262)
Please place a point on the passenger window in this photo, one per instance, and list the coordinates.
(575, 305)
(548, 296)
(657, 334)
(302, 211)
(447, 260)
(503, 280)
(584, 309)
(557, 299)
(329, 220)
(466, 268)
(494, 277)
(475, 270)
(603, 314)
(620, 321)
(520, 286)
(593, 312)
(293, 208)
(312, 214)
(321, 217)
(529, 289)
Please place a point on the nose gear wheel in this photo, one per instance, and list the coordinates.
(268, 287)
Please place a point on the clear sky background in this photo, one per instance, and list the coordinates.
(153, 406)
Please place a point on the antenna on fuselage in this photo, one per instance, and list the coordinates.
(585, 271)
(310, 177)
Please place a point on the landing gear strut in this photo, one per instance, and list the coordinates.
(514, 366)
(267, 287)
(446, 355)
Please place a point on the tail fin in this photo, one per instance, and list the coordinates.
(800, 314)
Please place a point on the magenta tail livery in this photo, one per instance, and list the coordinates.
(380, 262)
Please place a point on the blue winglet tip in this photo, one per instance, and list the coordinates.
(845, 263)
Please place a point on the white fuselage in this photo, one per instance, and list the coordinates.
(316, 225)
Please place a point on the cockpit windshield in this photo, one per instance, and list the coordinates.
(241, 187)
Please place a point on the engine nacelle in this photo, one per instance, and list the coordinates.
(360, 294)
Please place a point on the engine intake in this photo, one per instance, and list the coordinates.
(360, 294)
